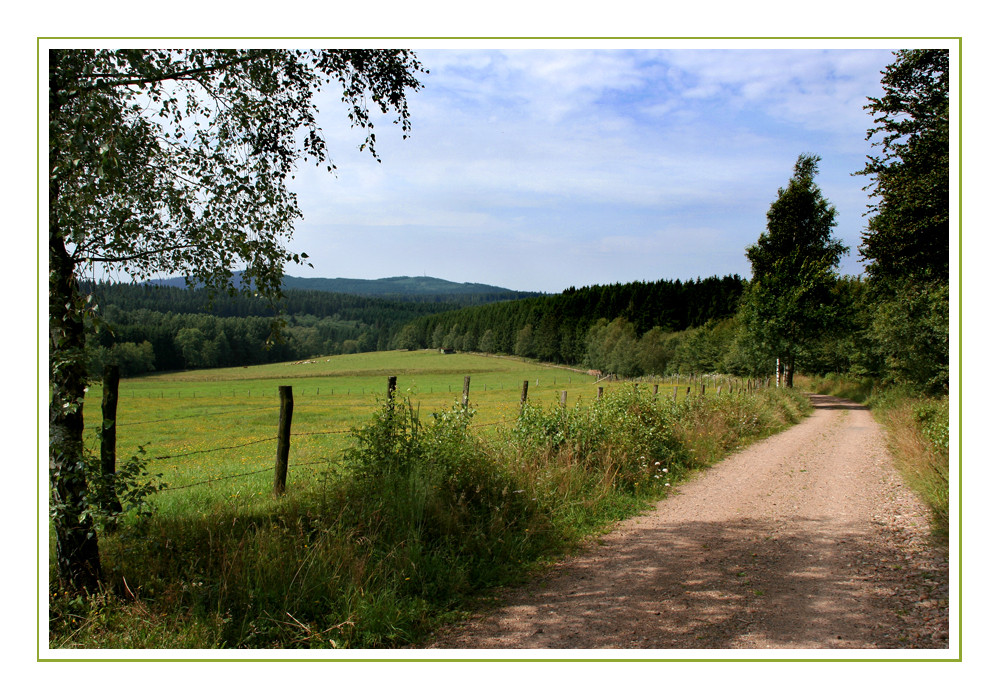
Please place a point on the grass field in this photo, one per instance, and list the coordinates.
(212, 433)
(390, 525)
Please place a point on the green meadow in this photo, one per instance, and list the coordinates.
(211, 434)
(398, 515)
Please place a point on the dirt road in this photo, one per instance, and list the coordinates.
(806, 540)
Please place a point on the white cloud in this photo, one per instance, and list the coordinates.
(582, 146)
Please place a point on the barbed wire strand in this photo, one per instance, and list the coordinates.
(237, 476)
(215, 449)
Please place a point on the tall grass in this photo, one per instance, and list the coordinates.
(414, 522)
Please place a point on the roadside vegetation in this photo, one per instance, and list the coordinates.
(412, 525)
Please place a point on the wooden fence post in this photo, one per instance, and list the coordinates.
(524, 394)
(465, 391)
(562, 399)
(109, 436)
(284, 439)
(600, 391)
(391, 391)
(675, 392)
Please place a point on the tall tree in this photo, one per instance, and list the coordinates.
(906, 241)
(907, 232)
(788, 303)
(178, 162)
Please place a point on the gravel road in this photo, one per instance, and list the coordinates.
(807, 540)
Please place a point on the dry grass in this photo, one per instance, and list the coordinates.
(920, 451)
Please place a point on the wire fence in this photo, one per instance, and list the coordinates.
(258, 441)
(342, 431)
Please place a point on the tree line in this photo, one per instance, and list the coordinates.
(558, 328)
(149, 328)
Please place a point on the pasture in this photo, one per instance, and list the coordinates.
(428, 519)
(211, 434)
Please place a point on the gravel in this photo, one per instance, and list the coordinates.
(806, 540)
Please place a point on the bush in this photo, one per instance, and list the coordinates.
(431, 497)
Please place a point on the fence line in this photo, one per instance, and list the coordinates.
(217, 478)
(324, 432)
(215, 449)
(740, 385)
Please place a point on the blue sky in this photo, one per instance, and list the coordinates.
(542, 168)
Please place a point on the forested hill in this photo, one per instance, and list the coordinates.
(295, 302)
(555, 328)
(416, 289)
(160, 327)
(156, 328)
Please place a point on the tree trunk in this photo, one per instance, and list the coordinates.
(789, 373)
(79, 563)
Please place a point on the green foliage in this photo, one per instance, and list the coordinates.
(932, 419)
(788, 305)
(628, 435)
(560, 323)
(524, 344)
(133, 358)
(907, 234)
(910, 330)
(487, 343)
(435, 490)
(612, 348)
(131, 486)
(907, 238)
(703, 350)
(179, 160)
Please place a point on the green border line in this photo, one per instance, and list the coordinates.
(38, 353)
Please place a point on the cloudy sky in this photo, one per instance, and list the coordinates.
(538, 168)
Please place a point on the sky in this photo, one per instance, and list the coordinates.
(542, 168)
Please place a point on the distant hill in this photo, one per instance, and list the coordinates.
(398, 288)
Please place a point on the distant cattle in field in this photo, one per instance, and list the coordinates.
(594, 372)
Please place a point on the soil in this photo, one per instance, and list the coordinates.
(806, 540)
